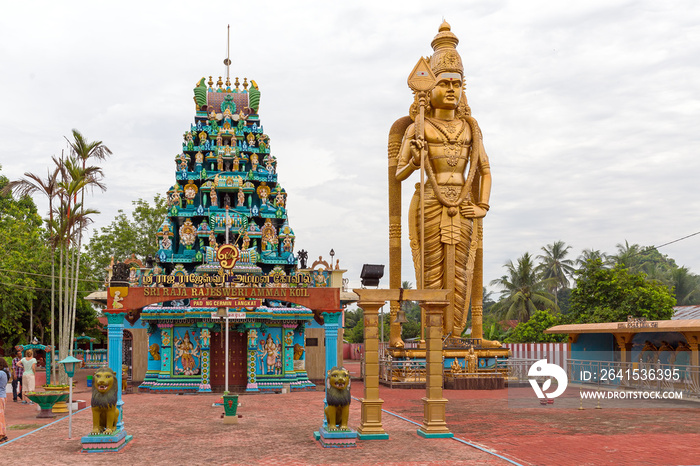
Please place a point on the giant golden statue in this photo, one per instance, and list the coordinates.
(442, 141)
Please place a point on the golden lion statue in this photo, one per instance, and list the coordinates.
(104, 402)
(338, 398)
(154, 349)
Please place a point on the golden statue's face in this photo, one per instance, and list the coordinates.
(447, 92)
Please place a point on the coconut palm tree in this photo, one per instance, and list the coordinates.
(628, 256)
(591, 254)
(524, 291)
(554, 267)
(48, 186)
(685, 286)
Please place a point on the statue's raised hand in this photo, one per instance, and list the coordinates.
(417, 147)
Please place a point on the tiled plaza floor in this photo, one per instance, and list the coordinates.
(278, 429)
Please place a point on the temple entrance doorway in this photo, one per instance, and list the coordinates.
(237, 370)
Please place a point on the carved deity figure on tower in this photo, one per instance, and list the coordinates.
(444, 141)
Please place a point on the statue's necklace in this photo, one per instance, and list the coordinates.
(452, 145)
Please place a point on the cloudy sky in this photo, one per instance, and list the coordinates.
(589, 110)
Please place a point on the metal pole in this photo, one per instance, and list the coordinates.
(70, 407)
(227, 355)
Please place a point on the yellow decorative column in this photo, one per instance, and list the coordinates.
(624, 341)
(434, 424)
(371, 418)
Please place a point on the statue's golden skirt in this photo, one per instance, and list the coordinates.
(442, 230)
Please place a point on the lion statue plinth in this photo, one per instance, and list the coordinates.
(338, 398)
(104, 402)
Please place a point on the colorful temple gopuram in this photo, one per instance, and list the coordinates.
(226, 266)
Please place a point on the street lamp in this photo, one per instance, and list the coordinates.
(69, 366)
(332, 253)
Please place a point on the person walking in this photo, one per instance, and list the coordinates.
(17, 372)
(4, 377)
(28, 362)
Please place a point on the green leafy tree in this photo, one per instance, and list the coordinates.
(21, 250)
(523, 291)
(412, 311)
(495, 329)
(49, 187)
(532, 331)
(564, 300)
(354, 325)
(126, 236)
(610, 295)
(488, 301)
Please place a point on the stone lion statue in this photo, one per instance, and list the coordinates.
(338, 398)
(104, 402)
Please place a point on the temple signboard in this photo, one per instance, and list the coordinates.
(244, 303)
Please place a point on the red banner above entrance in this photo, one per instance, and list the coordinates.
(131, 300)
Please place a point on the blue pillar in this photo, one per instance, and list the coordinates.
(166, 350)
(330, 323)
(49, 361)
(115, 334)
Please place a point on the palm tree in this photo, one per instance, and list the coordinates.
(81, 179)
(591, 254)
(73, 219)
(628, 256)
(49, 187)
(685, 286)
(554, 266)
(523, 291)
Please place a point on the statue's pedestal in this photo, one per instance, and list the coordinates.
(473, 382)
(105, 443)
(336, 438)
(419, 353)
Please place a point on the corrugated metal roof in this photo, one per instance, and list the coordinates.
(686, 313)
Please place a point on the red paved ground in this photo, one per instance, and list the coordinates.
(278, 429)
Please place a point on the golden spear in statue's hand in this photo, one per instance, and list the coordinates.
(421, 81)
